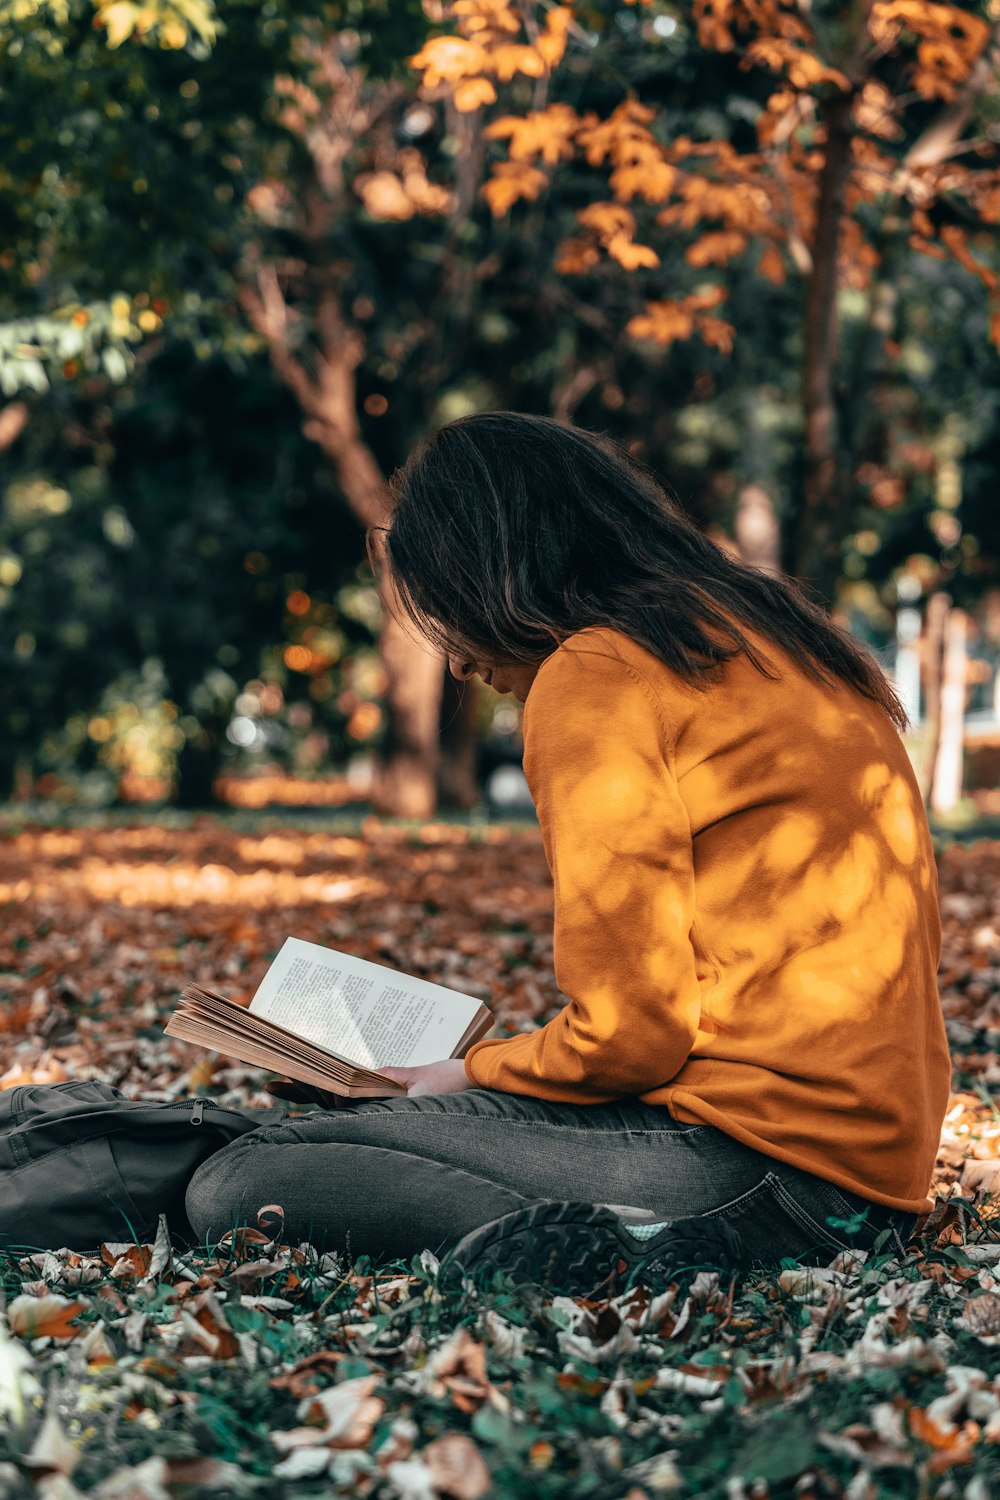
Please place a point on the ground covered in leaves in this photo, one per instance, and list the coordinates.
(263, 1369)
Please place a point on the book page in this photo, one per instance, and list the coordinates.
(373, 1015)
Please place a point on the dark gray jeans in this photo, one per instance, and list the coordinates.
(389, 1177)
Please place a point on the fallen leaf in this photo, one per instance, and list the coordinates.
(456, 1466)
(146, 1481)
(16, 1377)
(51, 1450)
(49, 1316)
(460, 1365)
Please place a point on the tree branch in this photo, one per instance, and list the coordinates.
(569, 395)
(13, 421)
(937, 140)
(267, 311)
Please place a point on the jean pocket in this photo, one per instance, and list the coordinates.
(776, 1225)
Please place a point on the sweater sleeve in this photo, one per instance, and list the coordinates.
(618, 844)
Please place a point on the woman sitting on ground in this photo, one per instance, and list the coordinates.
(746, 921)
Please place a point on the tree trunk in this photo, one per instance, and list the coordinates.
(458, 785)
(406, 777)
(946, 783)
(329, 114)
(819, 522)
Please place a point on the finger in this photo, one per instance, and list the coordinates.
(398, 1075)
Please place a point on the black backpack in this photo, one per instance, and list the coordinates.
(80, 1164)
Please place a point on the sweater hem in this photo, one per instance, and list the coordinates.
(707, 1115)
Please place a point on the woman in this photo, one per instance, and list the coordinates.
(746, 922)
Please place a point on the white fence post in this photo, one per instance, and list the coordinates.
(946, 786)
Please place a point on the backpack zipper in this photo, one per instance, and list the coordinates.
(196, 1116)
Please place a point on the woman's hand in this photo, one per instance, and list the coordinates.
(446, 1077)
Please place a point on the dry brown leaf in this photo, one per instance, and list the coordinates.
(460, 1365)
(457, 1467)
(48, 1316)
(52, 1451)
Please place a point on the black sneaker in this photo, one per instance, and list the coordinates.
(578, 1248)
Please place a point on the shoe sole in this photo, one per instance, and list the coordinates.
(579, 1247)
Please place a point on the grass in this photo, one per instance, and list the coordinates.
(266, 1370)
(259, 1369)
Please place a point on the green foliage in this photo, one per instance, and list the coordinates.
(149, 542)
(129, 150)
(74, 340)
(160, 454)
(790, 1389)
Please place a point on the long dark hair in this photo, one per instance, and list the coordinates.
(510, 532)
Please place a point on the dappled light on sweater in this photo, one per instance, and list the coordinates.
(890, 801)
(746, 924)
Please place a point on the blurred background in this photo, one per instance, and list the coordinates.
(250, 252)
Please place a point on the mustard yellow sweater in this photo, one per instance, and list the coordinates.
(746, 919)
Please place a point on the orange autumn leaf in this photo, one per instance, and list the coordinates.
(717, 333)
(127, 1261)
(709, 297)
(802, 69)
(486, 15)
(206, 1329)
(630, 255)
(952, 1445)
(511, 181)
(15, 1016)
(715, 249)
(662, 322)
(668, 321)
(45, 1071)
(300, 1378)
(653, 181)
(620, 136)
(444, 59)
(714, 20)
(772, 266)
(505, 62)
(551, 44)
(739, 205)
(473, 93)
(48, 1316)
(487, 48)
(875, 110)
(389, 196)
(956, 240)
(607, 220)
(930, 248)
(574, 257)
(546, 133)
(571, 1380)
(950, 41)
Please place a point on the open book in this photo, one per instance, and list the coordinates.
(330, 1021)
